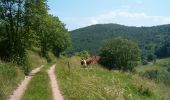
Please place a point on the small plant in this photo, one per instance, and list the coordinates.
(168, 69)
(144, 62)
(83, 54)
(144, 91)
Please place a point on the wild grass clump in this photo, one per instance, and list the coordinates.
(144, 91)
(10, 76)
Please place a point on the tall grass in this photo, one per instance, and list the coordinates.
(35, 60)
(10, 76)
(97, 83)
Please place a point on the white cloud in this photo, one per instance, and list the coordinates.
(123, 17)
(132, 18)
(94, 21)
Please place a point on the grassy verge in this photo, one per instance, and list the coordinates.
(10, 76)
(157, 76)
(97, 83)
(39, 87)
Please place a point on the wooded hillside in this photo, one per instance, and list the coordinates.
(150, 39)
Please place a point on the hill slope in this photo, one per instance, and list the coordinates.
(90, 38)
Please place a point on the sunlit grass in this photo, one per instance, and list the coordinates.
(97, 83)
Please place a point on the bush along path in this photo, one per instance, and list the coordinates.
(17, 94)
(55, 89)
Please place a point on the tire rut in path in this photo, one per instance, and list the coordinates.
(55, 89)
(17, 94)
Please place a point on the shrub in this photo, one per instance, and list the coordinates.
(158, 76)
(151, 74)
(120, 53)
(83, 54)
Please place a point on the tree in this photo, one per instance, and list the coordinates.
(119, 53)
(14, 36)
(60, 37)
(164, 50)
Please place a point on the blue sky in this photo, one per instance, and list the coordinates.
(81, 13)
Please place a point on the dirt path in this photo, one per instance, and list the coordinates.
(55, 89)
(17, 94)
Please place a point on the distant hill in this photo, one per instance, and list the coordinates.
(90, 38)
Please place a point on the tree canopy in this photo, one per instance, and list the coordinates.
(25, 24)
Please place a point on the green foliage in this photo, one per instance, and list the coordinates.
(120, 53)
(14, 33)
(83, 54)
(164, 50)
(60, 37)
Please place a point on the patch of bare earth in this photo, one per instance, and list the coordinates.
(55, 89)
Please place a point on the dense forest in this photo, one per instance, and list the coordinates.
(153, 41)
(26, 24)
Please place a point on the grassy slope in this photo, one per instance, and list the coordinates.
(39, 87)
(160, 65)
(97, 83)
(11, 74)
